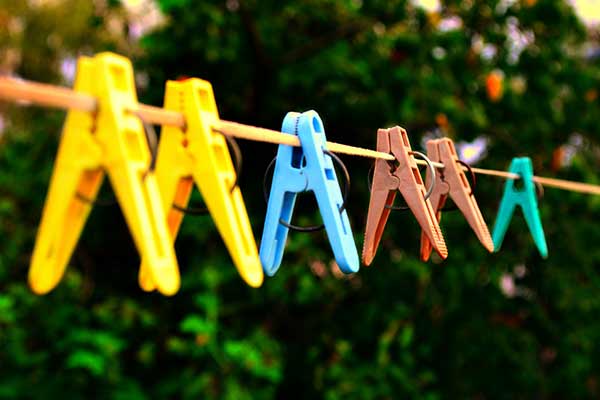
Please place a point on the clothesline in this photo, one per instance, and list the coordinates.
(22, 91)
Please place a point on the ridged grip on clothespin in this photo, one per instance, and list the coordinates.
(452, 182)
(520, 193)
(199, 154)
(318, 175)
(387, 180)
(110, 140)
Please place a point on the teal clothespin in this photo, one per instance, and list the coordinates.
(521, 193)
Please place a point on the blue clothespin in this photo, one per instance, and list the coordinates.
(299, 169)
(520, 193)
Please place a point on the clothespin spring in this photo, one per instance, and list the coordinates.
(539, 188)
(431, 168)
(237, 163)
(473, 184)
(151, 138)
(313, 228)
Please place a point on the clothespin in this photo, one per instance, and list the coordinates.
(306, 168)
(387, 180)
(451, 181)
(520, 192)
(199, 154)
(112, 140)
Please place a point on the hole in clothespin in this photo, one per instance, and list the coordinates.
(394, 164)
(519, 184)
(298, 159)
(329, 174)
(317, 125)
(405, 139)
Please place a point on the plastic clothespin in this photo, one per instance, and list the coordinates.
(520, 193)
(199, 154)
(112, 141)
(389, 179)
(306, 168)
(452, 181)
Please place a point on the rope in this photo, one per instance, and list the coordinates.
(568, 185)
(493, 172)
(26, 92)
(270, 136)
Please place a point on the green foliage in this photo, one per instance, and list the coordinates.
(504, 325)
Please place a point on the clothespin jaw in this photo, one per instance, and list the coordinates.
(383, 193)
(306, 168)
(388, 179)
(452, 182)
(520, 193)
(199, 154)
(112, 141)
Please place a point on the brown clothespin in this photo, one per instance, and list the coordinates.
(452, 181)
(404, 177)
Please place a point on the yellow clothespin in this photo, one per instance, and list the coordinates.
(199, 154)
(111, 140)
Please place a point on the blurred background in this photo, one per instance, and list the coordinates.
(502, 78)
